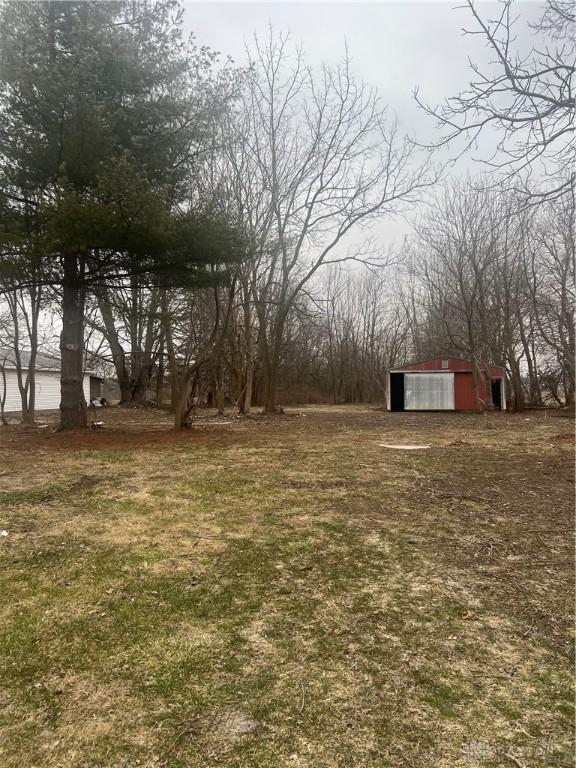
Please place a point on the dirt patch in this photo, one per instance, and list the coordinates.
(563, 437)
(90, 712)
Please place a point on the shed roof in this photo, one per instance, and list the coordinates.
(434, 364)
(44, 362)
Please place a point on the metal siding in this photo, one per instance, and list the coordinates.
(429, 392)
(13, 401)
(464, 391)
(47, 391)
(435, 364)
(454, 364)
(85, 387)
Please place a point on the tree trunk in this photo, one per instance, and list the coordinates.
(527, 345)
(170, 351)
(140, 384)
(72, 404)
(270, 386)
(3, 394)
(118, 354)
(144, 356)
(30, 415)
(271, 366)
(245, 401)
(475, 389)
(23, 381)
(160, 373)
(35, 303)
(569, 386)
(185, 400)
(247, 369)
(219, 391)
(151, 337)
(125, 389)
(27, 417)
(517, 389)
(488, 388)
(182, 410)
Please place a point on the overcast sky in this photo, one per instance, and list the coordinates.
(395, 46)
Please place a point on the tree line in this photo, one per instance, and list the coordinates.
(203, 232)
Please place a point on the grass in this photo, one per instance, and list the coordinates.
(288, 593)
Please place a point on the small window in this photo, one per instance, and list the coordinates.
(444, 363)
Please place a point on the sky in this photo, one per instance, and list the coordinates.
(395, 46)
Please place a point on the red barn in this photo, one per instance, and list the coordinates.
(441, 384)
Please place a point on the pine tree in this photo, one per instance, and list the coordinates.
(103, 109)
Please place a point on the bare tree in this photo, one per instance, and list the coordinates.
(198, 342)
(318, 161)
(495, 284)
(366, 333)
(3, 392)
(457, 262)
(552, 275)
(4, 325)
(130, 316)
(21, 333)
(528, 98)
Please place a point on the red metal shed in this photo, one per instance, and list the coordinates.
(441, 384)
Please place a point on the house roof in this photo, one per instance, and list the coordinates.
(44, 362)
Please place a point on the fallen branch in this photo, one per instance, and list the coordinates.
(515, 760)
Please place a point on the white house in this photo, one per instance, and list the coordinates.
(47, 381)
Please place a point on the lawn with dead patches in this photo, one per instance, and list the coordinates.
(288, 592)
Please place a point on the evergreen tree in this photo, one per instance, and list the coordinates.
(104, 108)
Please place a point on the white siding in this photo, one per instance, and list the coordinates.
(13, 401)
(429, 391)
(47, 391)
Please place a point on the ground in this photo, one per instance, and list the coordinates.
(287, 592)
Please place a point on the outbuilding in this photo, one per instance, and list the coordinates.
(441, 384)
(47, 381)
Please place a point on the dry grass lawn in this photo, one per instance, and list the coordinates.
(287, 592)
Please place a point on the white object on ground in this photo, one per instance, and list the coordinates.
(405, 447)
(3, 533)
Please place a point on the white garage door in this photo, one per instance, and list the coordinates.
(429, 391)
